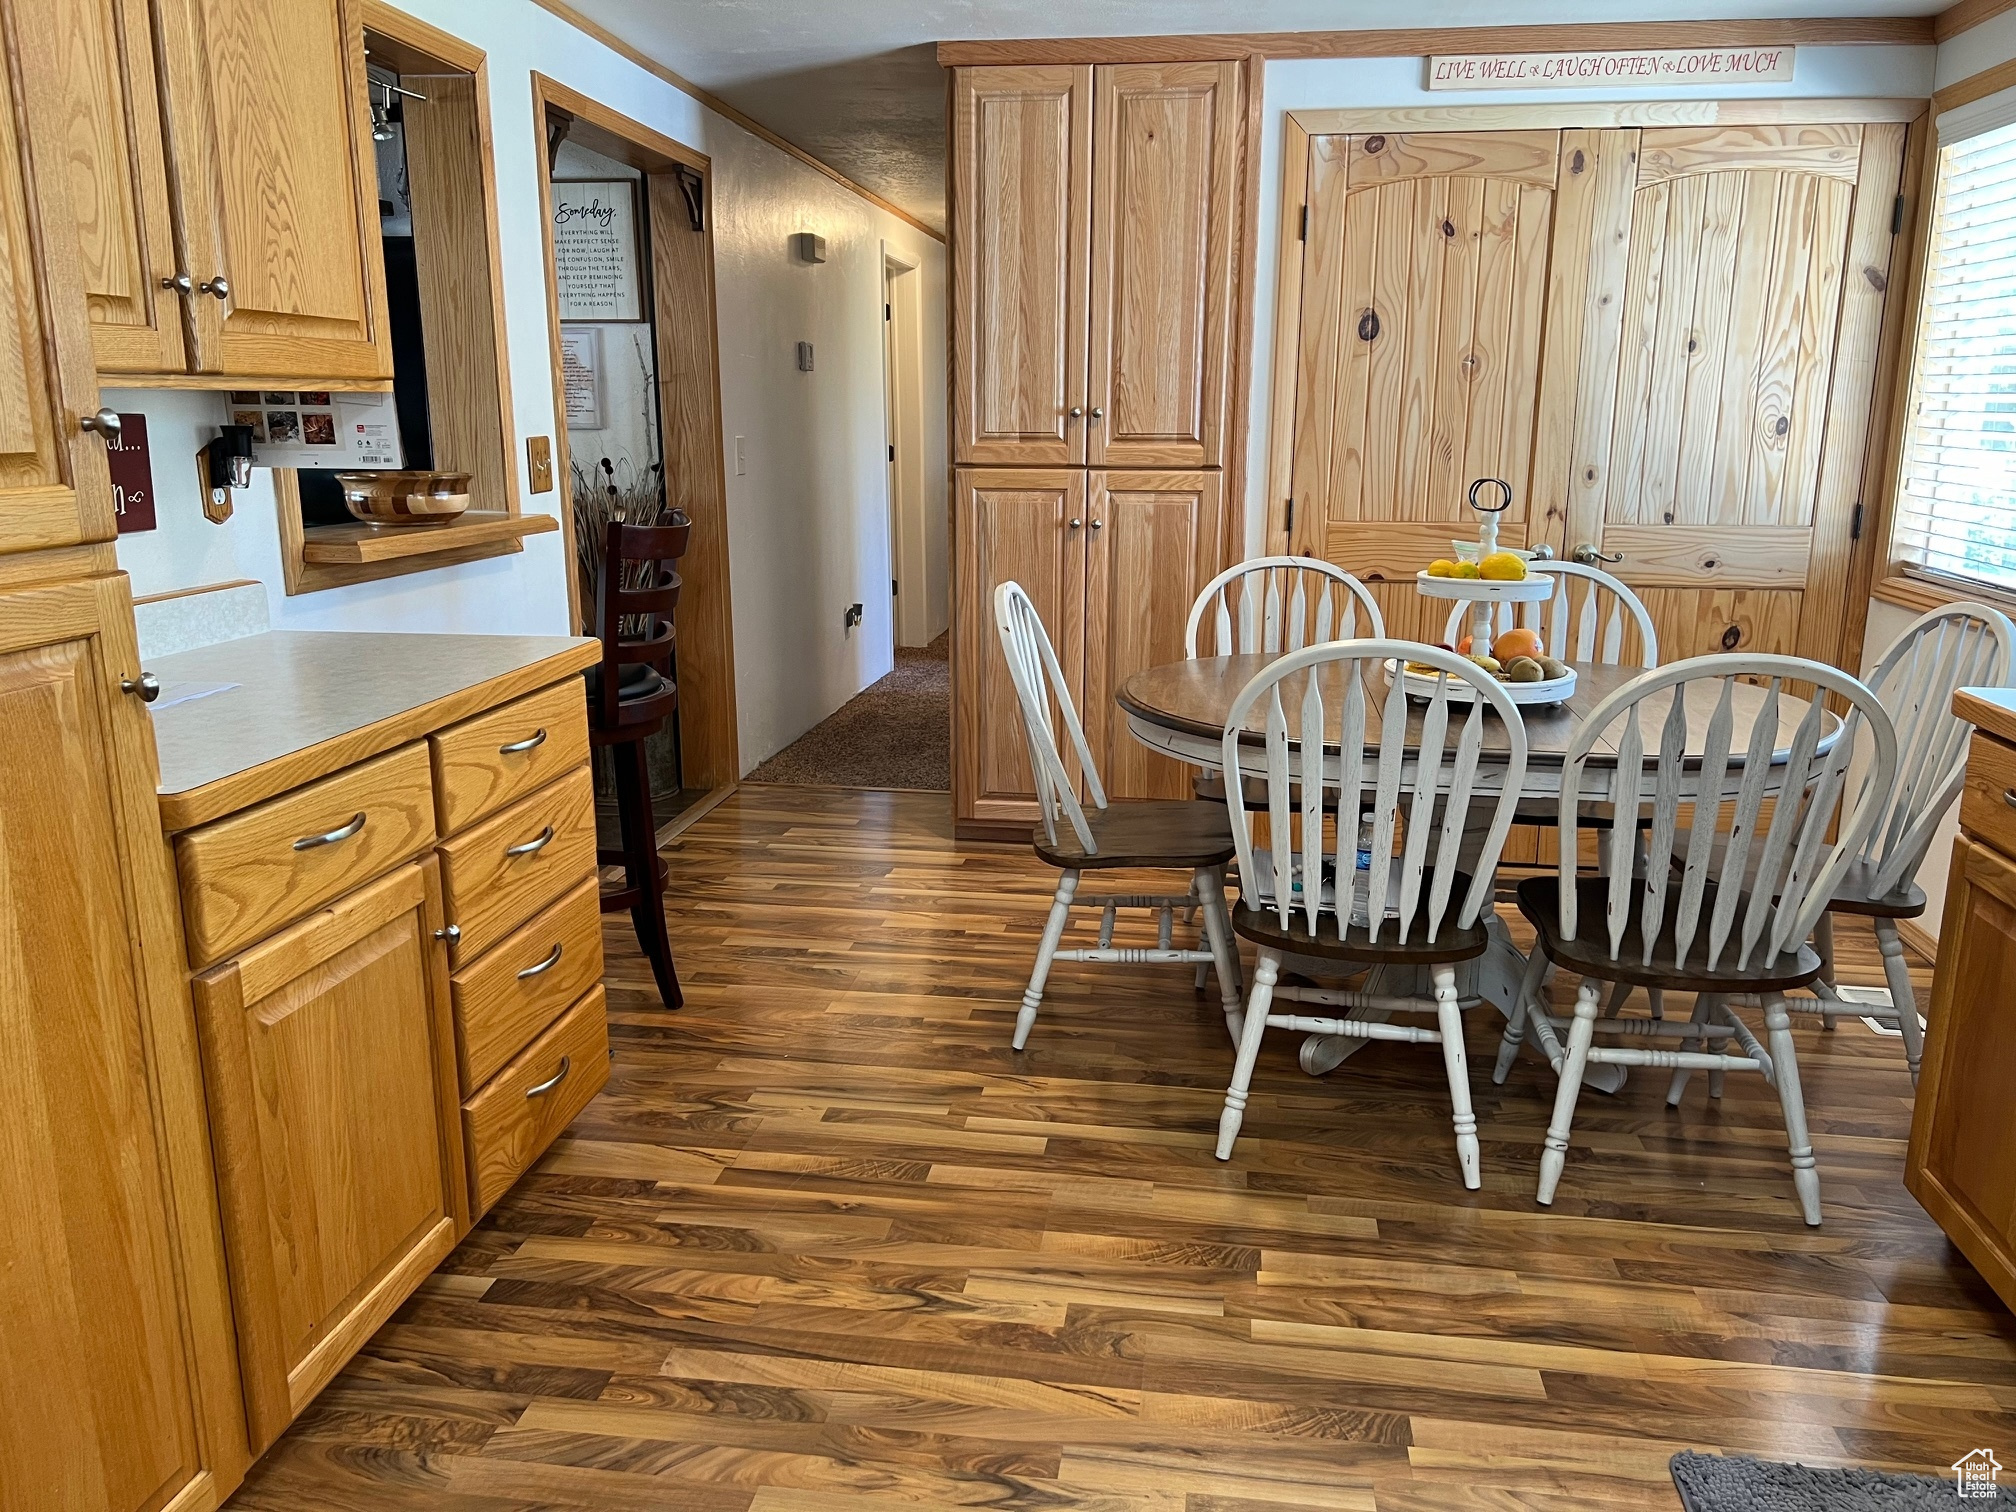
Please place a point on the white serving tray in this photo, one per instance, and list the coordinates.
(1552, 690)
(1537, 585)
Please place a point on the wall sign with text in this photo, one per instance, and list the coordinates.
(1603, 70)
(595, 249)
(132, 475)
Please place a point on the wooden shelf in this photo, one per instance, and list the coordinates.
(360, 544)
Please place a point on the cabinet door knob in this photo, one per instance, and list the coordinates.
(105, 422)
(1098, 413)
(566, 1065)
(1098, 524)
(335, 836)
(146, 687)
(1076, 412)
(452, 933)
(181, 283)
(1076, 522)
(219, 286)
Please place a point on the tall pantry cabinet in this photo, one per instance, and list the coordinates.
(1096, 229)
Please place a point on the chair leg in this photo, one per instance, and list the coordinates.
(1449, 1020)
(1704, 1007)
(1554, 1155)
(1785, 1070)
(1823, 946)
(1515, 1026)
(1053, 931)
(1620, 994)
(1265, 973)
(1224, 956)
(1903, 996)
(640, 867)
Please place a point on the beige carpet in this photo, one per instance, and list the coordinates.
(896, 733)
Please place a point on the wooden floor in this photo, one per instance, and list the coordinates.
(826, 1241)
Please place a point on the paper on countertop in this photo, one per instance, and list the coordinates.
(173, 693)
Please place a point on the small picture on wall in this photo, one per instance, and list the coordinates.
(319, 398)
(276, 397)
(283, 426)
(318, 429)
(252, 417)
(244, 396)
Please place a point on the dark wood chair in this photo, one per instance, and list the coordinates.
(631, 695)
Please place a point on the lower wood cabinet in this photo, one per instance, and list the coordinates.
(329, 1056)
(1112, 561)
(1962, 1160)
(513, 1119)
(96, 1406)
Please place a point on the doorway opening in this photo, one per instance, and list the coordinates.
(630, 291)
(918, 560)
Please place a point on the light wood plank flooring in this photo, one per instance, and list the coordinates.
(826, 1241)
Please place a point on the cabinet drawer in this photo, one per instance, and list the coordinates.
(509, 1124)
(1987, 808)
(246, 876)
(507, 997)
(486, 762)
(512, 865)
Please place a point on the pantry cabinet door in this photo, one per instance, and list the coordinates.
(1021, 174)
(1165, 205)
(279, 190)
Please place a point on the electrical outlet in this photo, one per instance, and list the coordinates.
(741, 455)
(853, 617)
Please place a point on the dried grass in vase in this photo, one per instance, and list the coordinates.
(611, 491)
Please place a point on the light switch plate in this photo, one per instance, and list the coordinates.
(539, 460)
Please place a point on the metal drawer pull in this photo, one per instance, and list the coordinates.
(566, 1065)
(310, 842)
(535, 739)
(538, 843)
(544, 966)
(2009, 796)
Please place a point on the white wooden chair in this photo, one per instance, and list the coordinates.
(1584, 621)
(1279, 603)
(1151, 834)
(1415, 909)
(1732, 924)
(1956, 646)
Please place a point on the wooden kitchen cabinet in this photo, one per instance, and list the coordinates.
(329, 1056)
(1112, 561)
(1165, 209)
(94, 1363)
(224, 146)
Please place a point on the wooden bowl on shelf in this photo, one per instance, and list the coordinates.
(405, 498)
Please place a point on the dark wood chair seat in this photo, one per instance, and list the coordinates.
(1263, 926)
(1589, 953)
(1152, 832)
(1856, 892)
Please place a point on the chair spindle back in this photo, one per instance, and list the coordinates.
(1280, 603)
(1039, 684)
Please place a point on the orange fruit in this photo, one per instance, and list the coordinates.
(1463, 646)
(1519, 641)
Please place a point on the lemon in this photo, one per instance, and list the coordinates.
(1502, 567)
(1467, 570)
(1441, 567)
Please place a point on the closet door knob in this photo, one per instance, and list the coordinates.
(105, 422)
(220, 286)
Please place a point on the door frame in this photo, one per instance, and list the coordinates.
(1300, 125)
(689, 419)
(910, 565)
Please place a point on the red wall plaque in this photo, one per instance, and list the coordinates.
(132, 475)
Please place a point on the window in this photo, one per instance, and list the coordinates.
(1956, 493)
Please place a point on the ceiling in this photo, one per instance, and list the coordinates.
(856, 82)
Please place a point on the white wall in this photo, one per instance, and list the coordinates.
(807, 521)
(1333, 83)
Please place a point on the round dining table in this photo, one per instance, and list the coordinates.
(1180, 708)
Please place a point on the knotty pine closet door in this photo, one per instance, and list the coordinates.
(1432, 261)
(1751, 292)
(1025, 524)
(1164, 219)
(1021, 239)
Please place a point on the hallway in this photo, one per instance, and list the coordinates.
(896, 733)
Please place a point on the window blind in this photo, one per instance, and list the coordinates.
(1956, 499)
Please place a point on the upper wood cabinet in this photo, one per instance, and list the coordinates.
(54, 490)
(329, 1060)
(92, 1353)
(1094, 215)
(1165, 170)
(219, 155)
(1021, 238)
